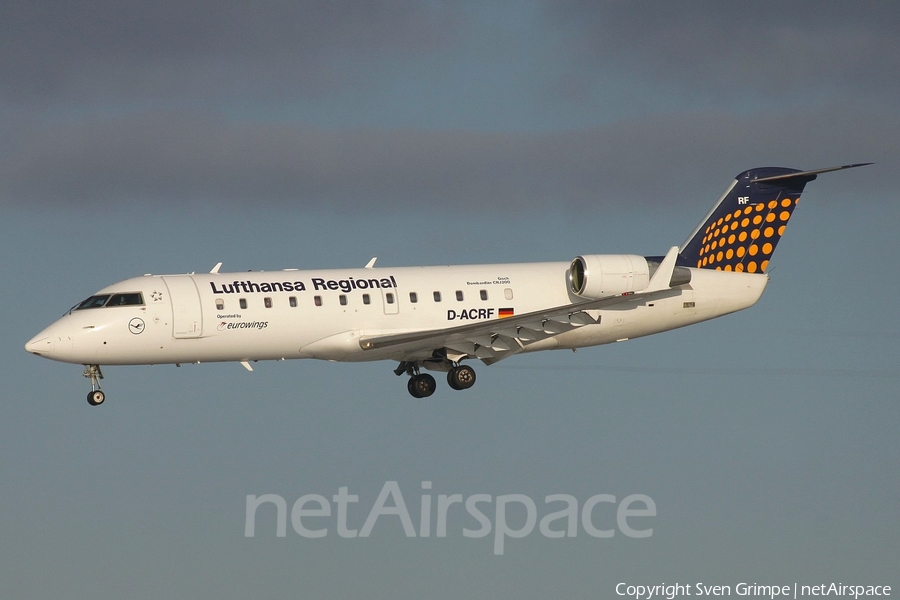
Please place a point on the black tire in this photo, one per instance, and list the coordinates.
(422, 385)
(461, 377)
(96, 397)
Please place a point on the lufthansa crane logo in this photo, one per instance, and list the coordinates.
(136, 326)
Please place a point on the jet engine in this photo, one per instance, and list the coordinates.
(599, 275)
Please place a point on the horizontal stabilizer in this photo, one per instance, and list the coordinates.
(807, 176)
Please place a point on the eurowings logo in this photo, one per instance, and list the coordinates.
(258, 325)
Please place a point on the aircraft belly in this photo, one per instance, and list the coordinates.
(250, 345)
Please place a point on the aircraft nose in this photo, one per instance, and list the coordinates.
(37, 343)
(53, 341)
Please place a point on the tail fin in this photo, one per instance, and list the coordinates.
(741, 231)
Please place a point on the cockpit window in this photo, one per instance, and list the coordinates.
(127, 299)
(130, 299)
(93, 302)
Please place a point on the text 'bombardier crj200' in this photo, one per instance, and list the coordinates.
(435, 317)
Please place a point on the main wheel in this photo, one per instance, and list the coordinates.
(461, 377)
(421, 386)
(96, 398)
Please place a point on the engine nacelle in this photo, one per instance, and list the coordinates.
(600, 275)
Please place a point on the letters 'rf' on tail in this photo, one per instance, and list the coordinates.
(741, 231)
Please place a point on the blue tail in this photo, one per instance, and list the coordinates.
(741, 231)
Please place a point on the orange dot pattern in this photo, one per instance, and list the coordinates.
(744, 239)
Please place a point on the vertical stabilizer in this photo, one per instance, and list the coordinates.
(743, 228)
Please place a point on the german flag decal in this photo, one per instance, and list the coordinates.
(506, 312)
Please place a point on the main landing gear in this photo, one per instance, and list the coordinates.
(422, 385)
(96, 396)
(461, 377)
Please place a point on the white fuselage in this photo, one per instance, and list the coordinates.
(323, 314)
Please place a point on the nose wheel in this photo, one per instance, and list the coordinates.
(96, 396)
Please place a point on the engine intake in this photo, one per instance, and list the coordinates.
(599, 275)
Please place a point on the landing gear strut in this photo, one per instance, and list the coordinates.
(96, 396)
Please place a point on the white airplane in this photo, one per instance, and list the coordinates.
(435, 317)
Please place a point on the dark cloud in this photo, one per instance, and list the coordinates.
(106, 103)
(91, 50)
(163, 159)
(718, 51)
(204, 51)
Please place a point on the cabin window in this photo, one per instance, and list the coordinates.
(507, 293)
(389, 298)
(293, 301)
(317, 300)
(459, 296)
(483, 294)
(267, 302)
(220, 304)
(367, 299)
(243, 303)
(437, 296)
(413, 297)
(343, 299)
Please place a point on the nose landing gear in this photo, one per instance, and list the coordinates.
(96, 396)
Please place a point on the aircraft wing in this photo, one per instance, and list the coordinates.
(496, 339)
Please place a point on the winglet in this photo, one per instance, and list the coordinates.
(246, 365)
(662, 279)
(216, 268)
(371, 263)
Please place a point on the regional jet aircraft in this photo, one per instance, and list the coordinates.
(434, 318)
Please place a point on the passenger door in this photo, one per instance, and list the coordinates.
(187, 315)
